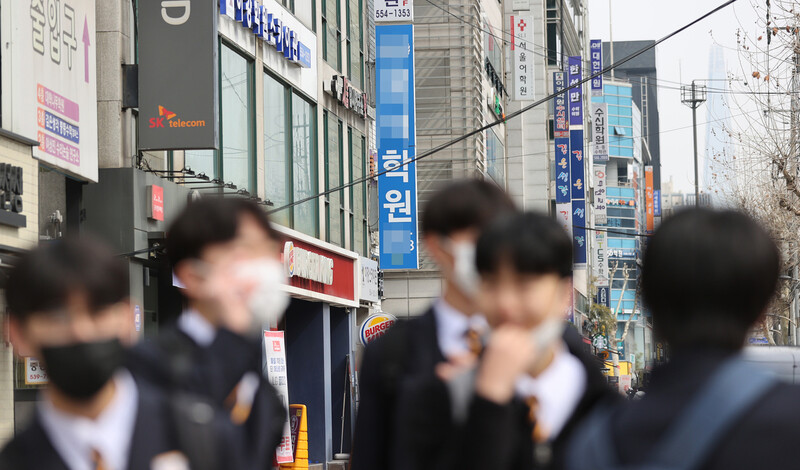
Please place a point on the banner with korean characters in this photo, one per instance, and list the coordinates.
(521, 35)
(579, 233)
(648, 199)
(578, 192)
(50, 81)
(599, 132)
(276, 374)
(600, 202)
(396, 136)
(596, 60)
(600, 260)
(575, 95)
(563, 194)
(560, 119)
(564, 216)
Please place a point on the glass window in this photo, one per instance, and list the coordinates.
(358, 193)
(235, 162)
(625, 101)
(611, 90)
(333, 179)
(494, 157)
(355, 47)
(237, 142)
(331, 34)
(277, 171)
(304, 165)
(625, 91)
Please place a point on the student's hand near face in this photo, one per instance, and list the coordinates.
(508, 355)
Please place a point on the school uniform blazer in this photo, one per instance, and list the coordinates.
(764, 437)
(375, 446)
(153, 438)
(493, 436)
(215, 372)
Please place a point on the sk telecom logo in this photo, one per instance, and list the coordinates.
(165, 114)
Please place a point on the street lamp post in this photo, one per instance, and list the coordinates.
(693, 96)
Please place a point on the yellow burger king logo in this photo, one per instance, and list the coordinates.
(376, 326)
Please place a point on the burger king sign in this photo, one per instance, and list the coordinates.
(376, 326)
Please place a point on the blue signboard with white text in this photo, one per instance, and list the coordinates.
(579, 232)
(576, 165)
(563, 194)
(596, 52)
(657, 203)
(395, 129)
(575, 95)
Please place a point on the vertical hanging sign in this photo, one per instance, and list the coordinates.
(396, 136)
(561, 142)
(600, 132)
(648, 198)
(560, 120)
(578, 196)
(600, 260)
(521, 34)
(596, 51)
(600, 204)
(575, 94)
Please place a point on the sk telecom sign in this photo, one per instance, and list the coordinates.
(178, 75)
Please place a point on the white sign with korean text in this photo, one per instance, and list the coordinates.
(35, 373)
(600, 202)
(50, 80)
(275, 369)
(521, 46)
(564, 216)
(600, 262)
(394, 11)
(600, 132)
(369, 280)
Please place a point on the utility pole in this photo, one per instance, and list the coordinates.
(693, 96)
(610, 38)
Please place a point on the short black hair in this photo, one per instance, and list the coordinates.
(43, 279)
(707, 277)
(209, 221)
(531, 243)
(464, 204)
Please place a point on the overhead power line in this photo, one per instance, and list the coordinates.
(513, 115)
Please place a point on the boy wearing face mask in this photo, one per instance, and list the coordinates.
(226, 256)
(451, 223)
(534, 383)
(68, 306)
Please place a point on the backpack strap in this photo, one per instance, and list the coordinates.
(732, 391)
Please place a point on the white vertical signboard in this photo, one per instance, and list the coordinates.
(600, 262)
(277, 376)
(50, 81)
(600, 132)
(564, 216)
(521, 35)
(600, 202)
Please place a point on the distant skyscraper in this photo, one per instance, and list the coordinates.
(718, 157)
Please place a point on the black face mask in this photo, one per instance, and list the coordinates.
(79, 370)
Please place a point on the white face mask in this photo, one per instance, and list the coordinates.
(267, 301)
(465, 274)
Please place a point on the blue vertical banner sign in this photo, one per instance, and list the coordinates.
(657, 202)
(563, 194)
(395, 128)
(579, 232)
(575, 94)
(596, 51)
(577, 177)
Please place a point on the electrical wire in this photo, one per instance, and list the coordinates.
(519, 112)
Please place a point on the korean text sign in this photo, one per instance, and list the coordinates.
(50, 50)
(600, 201)
(578, 190)
(596, 56)
(275, 369)
(600, 132)
(648, 198)
(394, 11)
(575, 95)
(521, 34)
(560, 120)
(563, 193)
(395, 129)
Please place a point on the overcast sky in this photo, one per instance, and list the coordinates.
(680, 59)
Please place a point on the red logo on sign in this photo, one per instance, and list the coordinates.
(276, 346)
(157, 203)
(522, 24)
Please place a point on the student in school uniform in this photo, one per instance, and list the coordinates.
(451, 223)
(68, 307)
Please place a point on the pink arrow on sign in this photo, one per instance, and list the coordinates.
(86, 49)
